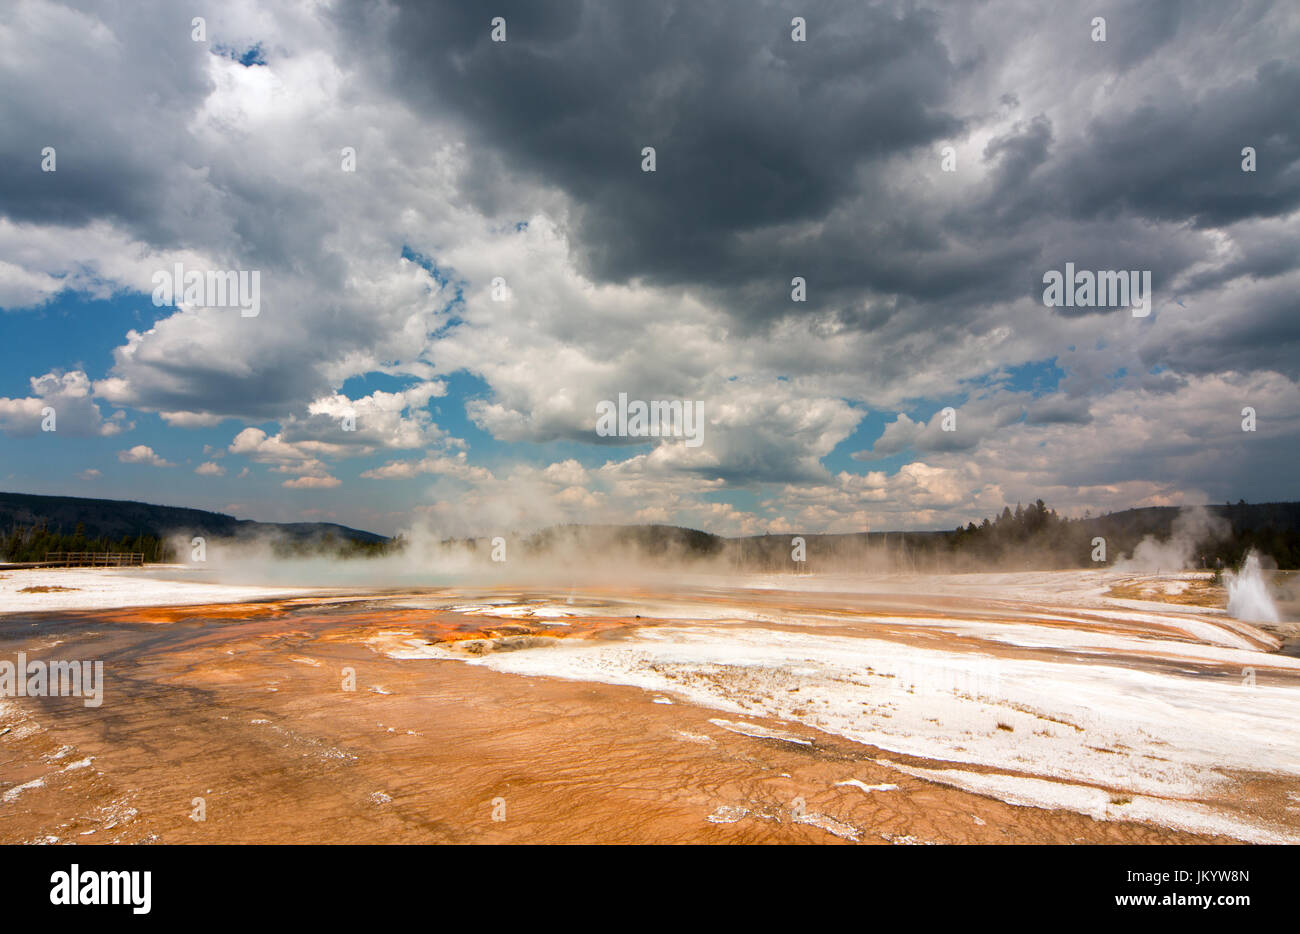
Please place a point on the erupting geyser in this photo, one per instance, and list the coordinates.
(1248, 597)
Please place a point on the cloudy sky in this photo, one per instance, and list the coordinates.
(522, 161)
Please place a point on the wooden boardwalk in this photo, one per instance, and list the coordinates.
(83, 559)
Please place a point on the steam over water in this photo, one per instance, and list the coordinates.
(1248, 596)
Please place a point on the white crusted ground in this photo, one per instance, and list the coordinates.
(112, 588)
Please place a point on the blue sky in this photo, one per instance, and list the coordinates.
(89, 329)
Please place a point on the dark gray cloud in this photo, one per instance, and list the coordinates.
(1177, 158)
(118, 163)
(752, 131)
(778, 158)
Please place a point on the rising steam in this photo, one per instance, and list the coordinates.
(1194, 527)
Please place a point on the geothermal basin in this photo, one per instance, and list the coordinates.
(1037, 707)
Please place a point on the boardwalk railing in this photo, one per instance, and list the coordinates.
(94, 559)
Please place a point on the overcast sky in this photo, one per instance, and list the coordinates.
(523, 160)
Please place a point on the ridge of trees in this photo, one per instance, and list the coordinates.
(24, 544)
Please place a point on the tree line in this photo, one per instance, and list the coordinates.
(32, 543)
(1038, 535)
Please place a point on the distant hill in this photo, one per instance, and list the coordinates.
(1033, 537)
(116, 519)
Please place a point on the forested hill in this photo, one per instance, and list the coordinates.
(117, 519)
(1032, 536)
